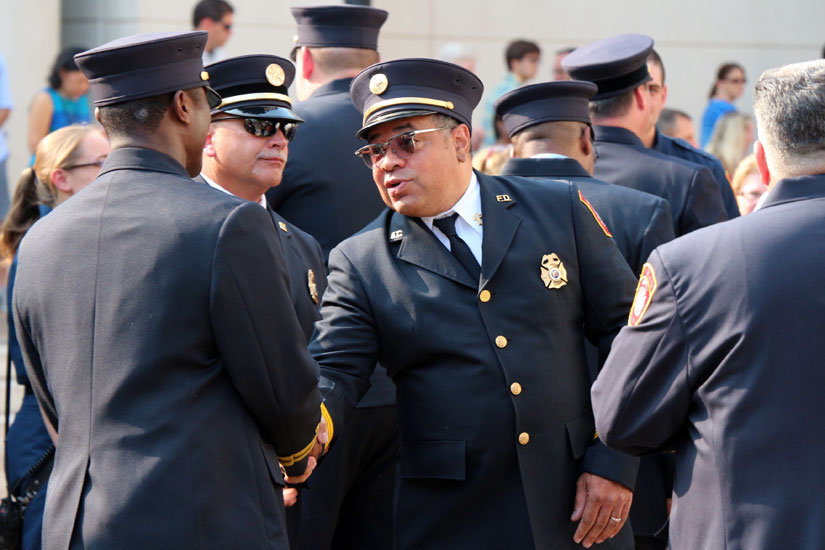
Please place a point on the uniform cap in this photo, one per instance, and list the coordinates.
(616, 64)
(146, 65)
(546, 102)
(342, 26)
(413, 87)
(254, 86)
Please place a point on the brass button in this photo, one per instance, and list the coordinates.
(484, 296)
(515, 388)
(524, 438)
(501, 341)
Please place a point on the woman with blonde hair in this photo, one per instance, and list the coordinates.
(747, 185)
(731, 140)
(66, 161)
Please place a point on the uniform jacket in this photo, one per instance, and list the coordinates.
(690, 189)
(144, 307)
(481, 365)
(306, 268)
(725, 367)
(639, 222)
(684, 150)
(330, 204)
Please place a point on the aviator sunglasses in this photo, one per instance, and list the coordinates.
(265, 127)
(402, 145)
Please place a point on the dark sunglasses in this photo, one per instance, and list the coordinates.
(265, 127)
(402, 145)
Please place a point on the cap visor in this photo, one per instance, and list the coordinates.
(212, 97)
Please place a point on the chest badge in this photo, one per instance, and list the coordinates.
(553, 273)
(312, 287)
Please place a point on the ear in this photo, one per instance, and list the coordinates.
(307, 63)
(664, 94)
(639, 97)
(59, 178)
(209, 144)
(97, 115)
(461, 138)
(183, 107)
(585, 145)
(762, 163)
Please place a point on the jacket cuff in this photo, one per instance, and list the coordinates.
(616, 466)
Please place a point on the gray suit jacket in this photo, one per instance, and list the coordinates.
(726, 368)
(145, 307)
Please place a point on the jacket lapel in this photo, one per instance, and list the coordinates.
(500, 225)
(420, 247)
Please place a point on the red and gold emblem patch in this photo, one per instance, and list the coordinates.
(644, 295)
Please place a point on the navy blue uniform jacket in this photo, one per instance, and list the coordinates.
(726, 368)
(145, 308)
(690, 189)
(639, 222)
(682, 149)
(492, 384)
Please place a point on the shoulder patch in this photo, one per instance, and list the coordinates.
(644, 295)
(595, 215)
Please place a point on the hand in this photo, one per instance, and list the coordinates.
(290, 496)
(319, 449)
(597, 500)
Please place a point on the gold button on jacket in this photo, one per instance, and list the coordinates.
(524, 438)
(485, 296)
(501, 341)
(515, 388)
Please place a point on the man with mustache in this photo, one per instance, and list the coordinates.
(245, 153)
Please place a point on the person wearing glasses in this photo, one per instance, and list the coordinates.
(476, 293)
(728, 87)
(215, 17)
(66, 161)
(549, 126)
(623, 114)
(154, 319)
(246, 149)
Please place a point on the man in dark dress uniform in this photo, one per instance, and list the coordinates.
(622, 112)
(246, 149)
(145, 309)
(328, 192)
(549, 125)
(722, 358)
(680, 148)
(476, 293)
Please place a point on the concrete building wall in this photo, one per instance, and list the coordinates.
(693, 39)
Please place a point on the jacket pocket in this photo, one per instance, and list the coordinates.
(433, 460)
(582, 432)
(271, 459)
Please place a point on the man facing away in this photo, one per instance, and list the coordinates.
(721, 362)
(145, 309)
(622, 111)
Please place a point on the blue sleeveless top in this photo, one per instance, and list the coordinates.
(68, 111)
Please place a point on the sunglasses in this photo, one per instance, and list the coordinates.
(402, 145)
(265, 127)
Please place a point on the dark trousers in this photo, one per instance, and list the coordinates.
(348, 501)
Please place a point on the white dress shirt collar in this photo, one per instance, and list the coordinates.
(211, 183)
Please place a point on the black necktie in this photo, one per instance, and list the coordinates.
(458, 247)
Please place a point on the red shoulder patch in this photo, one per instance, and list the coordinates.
(644, 295)
(595, 215)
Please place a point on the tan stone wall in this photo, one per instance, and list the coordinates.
(693, 38)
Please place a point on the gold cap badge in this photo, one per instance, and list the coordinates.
(204, 75)
(312, 287)
(275, 74)
(553, 273)
(379, 83)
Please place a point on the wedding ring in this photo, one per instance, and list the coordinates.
(617, 520)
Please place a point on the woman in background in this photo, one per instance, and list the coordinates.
(732, 140)
(747, 185)
(729, 85)
(66, 161)
(63, 102)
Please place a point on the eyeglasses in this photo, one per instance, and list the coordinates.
(402, 145)
(265, 127)
(98, 163)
